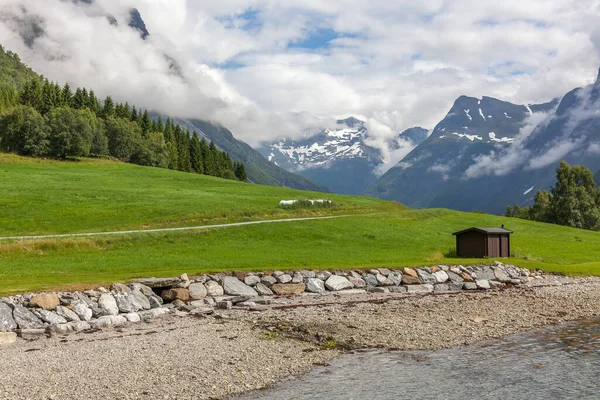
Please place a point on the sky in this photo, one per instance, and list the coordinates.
(278, 68)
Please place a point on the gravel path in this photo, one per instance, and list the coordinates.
(237, 351)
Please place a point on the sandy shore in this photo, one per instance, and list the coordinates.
(236, 351)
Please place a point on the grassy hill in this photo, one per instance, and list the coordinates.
(42, 197)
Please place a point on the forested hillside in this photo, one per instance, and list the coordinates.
(41, 118)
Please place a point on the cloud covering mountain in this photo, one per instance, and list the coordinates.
(267, 69)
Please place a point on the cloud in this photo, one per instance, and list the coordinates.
(265, 68)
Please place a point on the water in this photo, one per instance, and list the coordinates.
(560, 362)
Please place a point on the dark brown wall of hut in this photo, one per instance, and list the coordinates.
(471, 244)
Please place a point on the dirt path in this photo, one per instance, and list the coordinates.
(185, 228)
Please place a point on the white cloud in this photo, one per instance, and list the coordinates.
(397, 64)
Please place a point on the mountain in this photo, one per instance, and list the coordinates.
(457, 166)
(258, 169)
(340, 159)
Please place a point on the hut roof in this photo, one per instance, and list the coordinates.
(485, 230)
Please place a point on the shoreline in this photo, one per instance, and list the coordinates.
(236, 351)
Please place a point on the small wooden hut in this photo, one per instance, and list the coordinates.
(483, 242)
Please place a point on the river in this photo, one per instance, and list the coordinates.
(557, 362)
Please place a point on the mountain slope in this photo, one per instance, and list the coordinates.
(340, 159)
(439, 172)
(259, 170)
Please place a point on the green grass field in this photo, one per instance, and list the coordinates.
(45, 197)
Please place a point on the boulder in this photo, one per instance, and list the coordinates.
(298, 278)
(383, 280)
(486, 273)
(467, 277)
(425, 276)
(108, 304)
(7, 322)
(426, 288)
(213, 289)
(79, 326)
(501, 275)
(176, 294)
(132, 317)
(469, 286)
(371, 280)
(46, 301)
(153, 313)
(441, 276)
(224, 305)
(7, 338)
(198, 291)
(337, 283)
(67, 314)
(483, 284)
(384, 271)
(284, 278)
(454, 277)
(124, 303)
(288, 288)
(454, 287)
(51, 317)
(158, 282)
(410, 280)
(120, 288)
(251, 280)
(263, 290)
(146, 291)
(410, 272)
(268, 281)
(26, 319)
(139, 300)
(315, 285)
(441, 287)
(357, 282)
(307, 274)
(233, 286)
(496, 285)
(240, 275)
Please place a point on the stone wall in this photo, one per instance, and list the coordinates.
(32, 316)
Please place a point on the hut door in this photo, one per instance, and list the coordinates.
(493, 246)
(504, 249)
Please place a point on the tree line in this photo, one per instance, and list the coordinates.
(574, 201)
(45, 119)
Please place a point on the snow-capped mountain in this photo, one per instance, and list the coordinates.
(340, 159)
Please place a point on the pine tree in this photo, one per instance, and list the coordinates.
(196, 155)
(134, 114)
(108, 109)
(66, 98)
(240, 171)
(78, 100)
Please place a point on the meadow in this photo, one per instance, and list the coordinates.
(46, 197)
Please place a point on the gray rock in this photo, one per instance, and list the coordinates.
(355, 275)
(441, 276)
(337, 283)
(82, 310)
(119, 288)
(396, 279)
(501, 275)
(263, 290)
(397, 289)
(7, 338)
(32, 334)
(307, 274)
(60, 329)
(444, 268)
(284, 278)
(198, 290)
(469, 286)
(425, 276)
(524, 280)
(384, 271)
(79, 326)
(146, 291)
(371, 280)
(482, 283)
(298, 278)
(132, 317)
(51, 317)
(277, 274)
(158, 282)
(153, 313)
(441, 287)
(251, 280)
(315, 285)
(108, 303)
(376, 289)
(496, 285)
(233, 286)
(454, 287)
(357, 282)
(7, 322)
(426, 288)
(268, 281)
(26, 319)
(486, 273)
(454, 277)
(321, 276)
(139, 300)
(327, 274)
(157, 302)
(213, 289)
(224, 305)
(124, 303)
(67, 314)
(383, 280)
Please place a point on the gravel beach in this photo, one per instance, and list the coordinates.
(184, 357)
